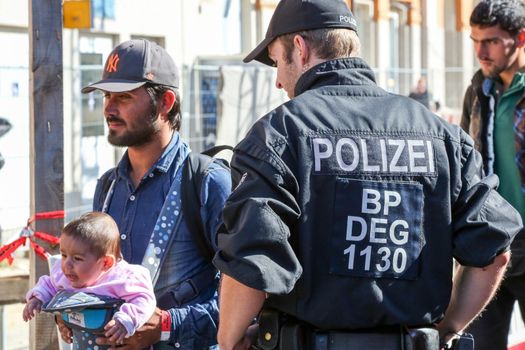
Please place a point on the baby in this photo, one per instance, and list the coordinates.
(92, 263)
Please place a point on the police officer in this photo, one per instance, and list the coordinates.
(351, 204)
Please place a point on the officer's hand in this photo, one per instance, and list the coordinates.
(65, 332)
(249, 338)
(145, 336)
(446, 340)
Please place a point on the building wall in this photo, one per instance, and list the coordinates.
(13, 13)
(402, 40)
(14, 146)
(187, 29)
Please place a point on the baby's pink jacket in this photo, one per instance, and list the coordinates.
(129, 282)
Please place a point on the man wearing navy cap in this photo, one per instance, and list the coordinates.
(142, 110)
(350, 206)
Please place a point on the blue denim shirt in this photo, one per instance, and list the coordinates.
(194, 326)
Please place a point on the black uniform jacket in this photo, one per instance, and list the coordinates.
(351, 203)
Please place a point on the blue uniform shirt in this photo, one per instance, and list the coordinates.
(136, 211)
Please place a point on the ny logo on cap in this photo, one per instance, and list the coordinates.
(111, 66)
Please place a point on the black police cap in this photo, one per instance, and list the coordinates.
(292, 16)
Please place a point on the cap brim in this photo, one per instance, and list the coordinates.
(113, 86)
(260, 53)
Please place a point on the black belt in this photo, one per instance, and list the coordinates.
(185, 291)
(294, 338)
(285, 333)
(359, 341)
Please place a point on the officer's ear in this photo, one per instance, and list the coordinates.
(302, 49)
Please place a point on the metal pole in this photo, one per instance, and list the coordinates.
(246, 26)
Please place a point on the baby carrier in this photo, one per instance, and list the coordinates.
(86, 314)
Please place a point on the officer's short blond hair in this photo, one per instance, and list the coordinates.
(327, 43)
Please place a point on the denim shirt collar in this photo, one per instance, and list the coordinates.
(172, 151)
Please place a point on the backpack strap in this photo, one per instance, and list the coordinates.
(166, 227)
(195, 168)
(105, 187)
(211, 152)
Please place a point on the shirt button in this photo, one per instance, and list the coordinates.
(123, 236)
(132, 198)
(151, 175)
(177, 345)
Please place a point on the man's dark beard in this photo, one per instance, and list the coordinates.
(492, 75)
(137, 137)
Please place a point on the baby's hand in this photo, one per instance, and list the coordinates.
(32, 307)
(115, 332)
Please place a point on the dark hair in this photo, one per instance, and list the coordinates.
(508, 14)
(327, 43)
(155, 92)
(98, 231)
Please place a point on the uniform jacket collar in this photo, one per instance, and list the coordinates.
(342, 71)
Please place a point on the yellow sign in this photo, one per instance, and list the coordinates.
(77, 14)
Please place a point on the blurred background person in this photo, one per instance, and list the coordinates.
(420, 93)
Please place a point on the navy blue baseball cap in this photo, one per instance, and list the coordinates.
(134, 63)
(292, 16)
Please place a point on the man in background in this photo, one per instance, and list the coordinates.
(493, 114)
(420, 93)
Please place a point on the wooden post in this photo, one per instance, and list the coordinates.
(463, 11)
(381, 10)
(47, 141)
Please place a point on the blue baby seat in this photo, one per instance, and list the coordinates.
(86, 314)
